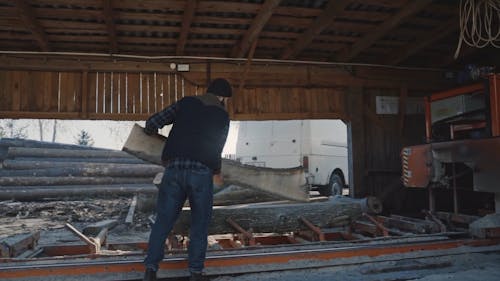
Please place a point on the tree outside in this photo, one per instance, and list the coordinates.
(84, 138)
(10, 129)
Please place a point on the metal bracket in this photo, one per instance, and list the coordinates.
(385, 231)
(247, 235)
(313, 228)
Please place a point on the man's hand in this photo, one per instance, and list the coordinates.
(150, 131)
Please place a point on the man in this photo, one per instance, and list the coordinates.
(192, 155)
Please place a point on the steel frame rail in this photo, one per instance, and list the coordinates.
(131, 267)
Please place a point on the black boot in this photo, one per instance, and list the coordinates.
(198, 277)
(149, 275)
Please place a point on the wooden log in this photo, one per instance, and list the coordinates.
(61, 152)
(33, 193)
(20, 165)
(140, 170)
(288, 184)
(234, 195)
(34, 181)
(274, 218)
(92, 160)
(143, 146)
(10, 142)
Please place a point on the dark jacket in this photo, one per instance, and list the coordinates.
(199, 132)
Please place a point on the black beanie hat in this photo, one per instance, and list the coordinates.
(220, 87)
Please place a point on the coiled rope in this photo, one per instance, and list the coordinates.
(479, 23)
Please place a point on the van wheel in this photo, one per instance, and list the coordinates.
(334, 187)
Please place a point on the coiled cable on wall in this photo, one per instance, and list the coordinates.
(479, 23)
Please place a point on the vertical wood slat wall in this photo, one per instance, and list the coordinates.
(136, 95)
(109, 94)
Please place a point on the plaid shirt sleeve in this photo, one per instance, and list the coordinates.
(160, 119)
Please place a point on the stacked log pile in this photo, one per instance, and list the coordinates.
(32, 170)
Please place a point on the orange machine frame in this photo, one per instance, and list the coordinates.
(494, 94)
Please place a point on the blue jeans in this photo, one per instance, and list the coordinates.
(177, 185)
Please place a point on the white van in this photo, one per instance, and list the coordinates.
(320, 146)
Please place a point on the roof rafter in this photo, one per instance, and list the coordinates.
(332, 10)
(27, 16)
(420, 43)
(258, 23)
(187, 19)
(409, 9)
(110, 25)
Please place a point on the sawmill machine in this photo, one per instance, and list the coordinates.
(462, 147)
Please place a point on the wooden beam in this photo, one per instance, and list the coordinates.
(187, 19)
(27, 15)
(421, 43)
(356, 142)
(332, 10)
(402, 108)
(110, 25)
(251, 35)
(371, 37)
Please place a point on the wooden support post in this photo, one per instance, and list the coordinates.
(402, 108)
(84, 111)
(356, 141)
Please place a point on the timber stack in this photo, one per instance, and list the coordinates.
(32, 170)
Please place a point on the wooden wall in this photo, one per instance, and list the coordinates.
(70, 89)
(136, 95)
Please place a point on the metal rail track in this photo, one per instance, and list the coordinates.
(325, 254)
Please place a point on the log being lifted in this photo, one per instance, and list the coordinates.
(275, 218)
(286, 183)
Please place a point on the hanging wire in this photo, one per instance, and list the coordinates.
(479, 23)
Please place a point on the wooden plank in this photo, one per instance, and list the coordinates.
(99, 92)
(92, 91)
(133, 92)
(4, 90)
(120, 92)
(107, 92)
(84, 106)
(130, 215)
(15, 88)
(145, 94)
(115, 102)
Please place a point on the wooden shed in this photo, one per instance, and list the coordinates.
(286, 59)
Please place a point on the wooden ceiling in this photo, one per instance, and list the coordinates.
(420, 33)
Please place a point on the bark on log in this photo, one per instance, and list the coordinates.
(58, 152)
(33, 193)
(18, 164)
(34, 181)
(103, 171)
(233, 195)
(87, 160)
(10, 142)
(280, 218)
